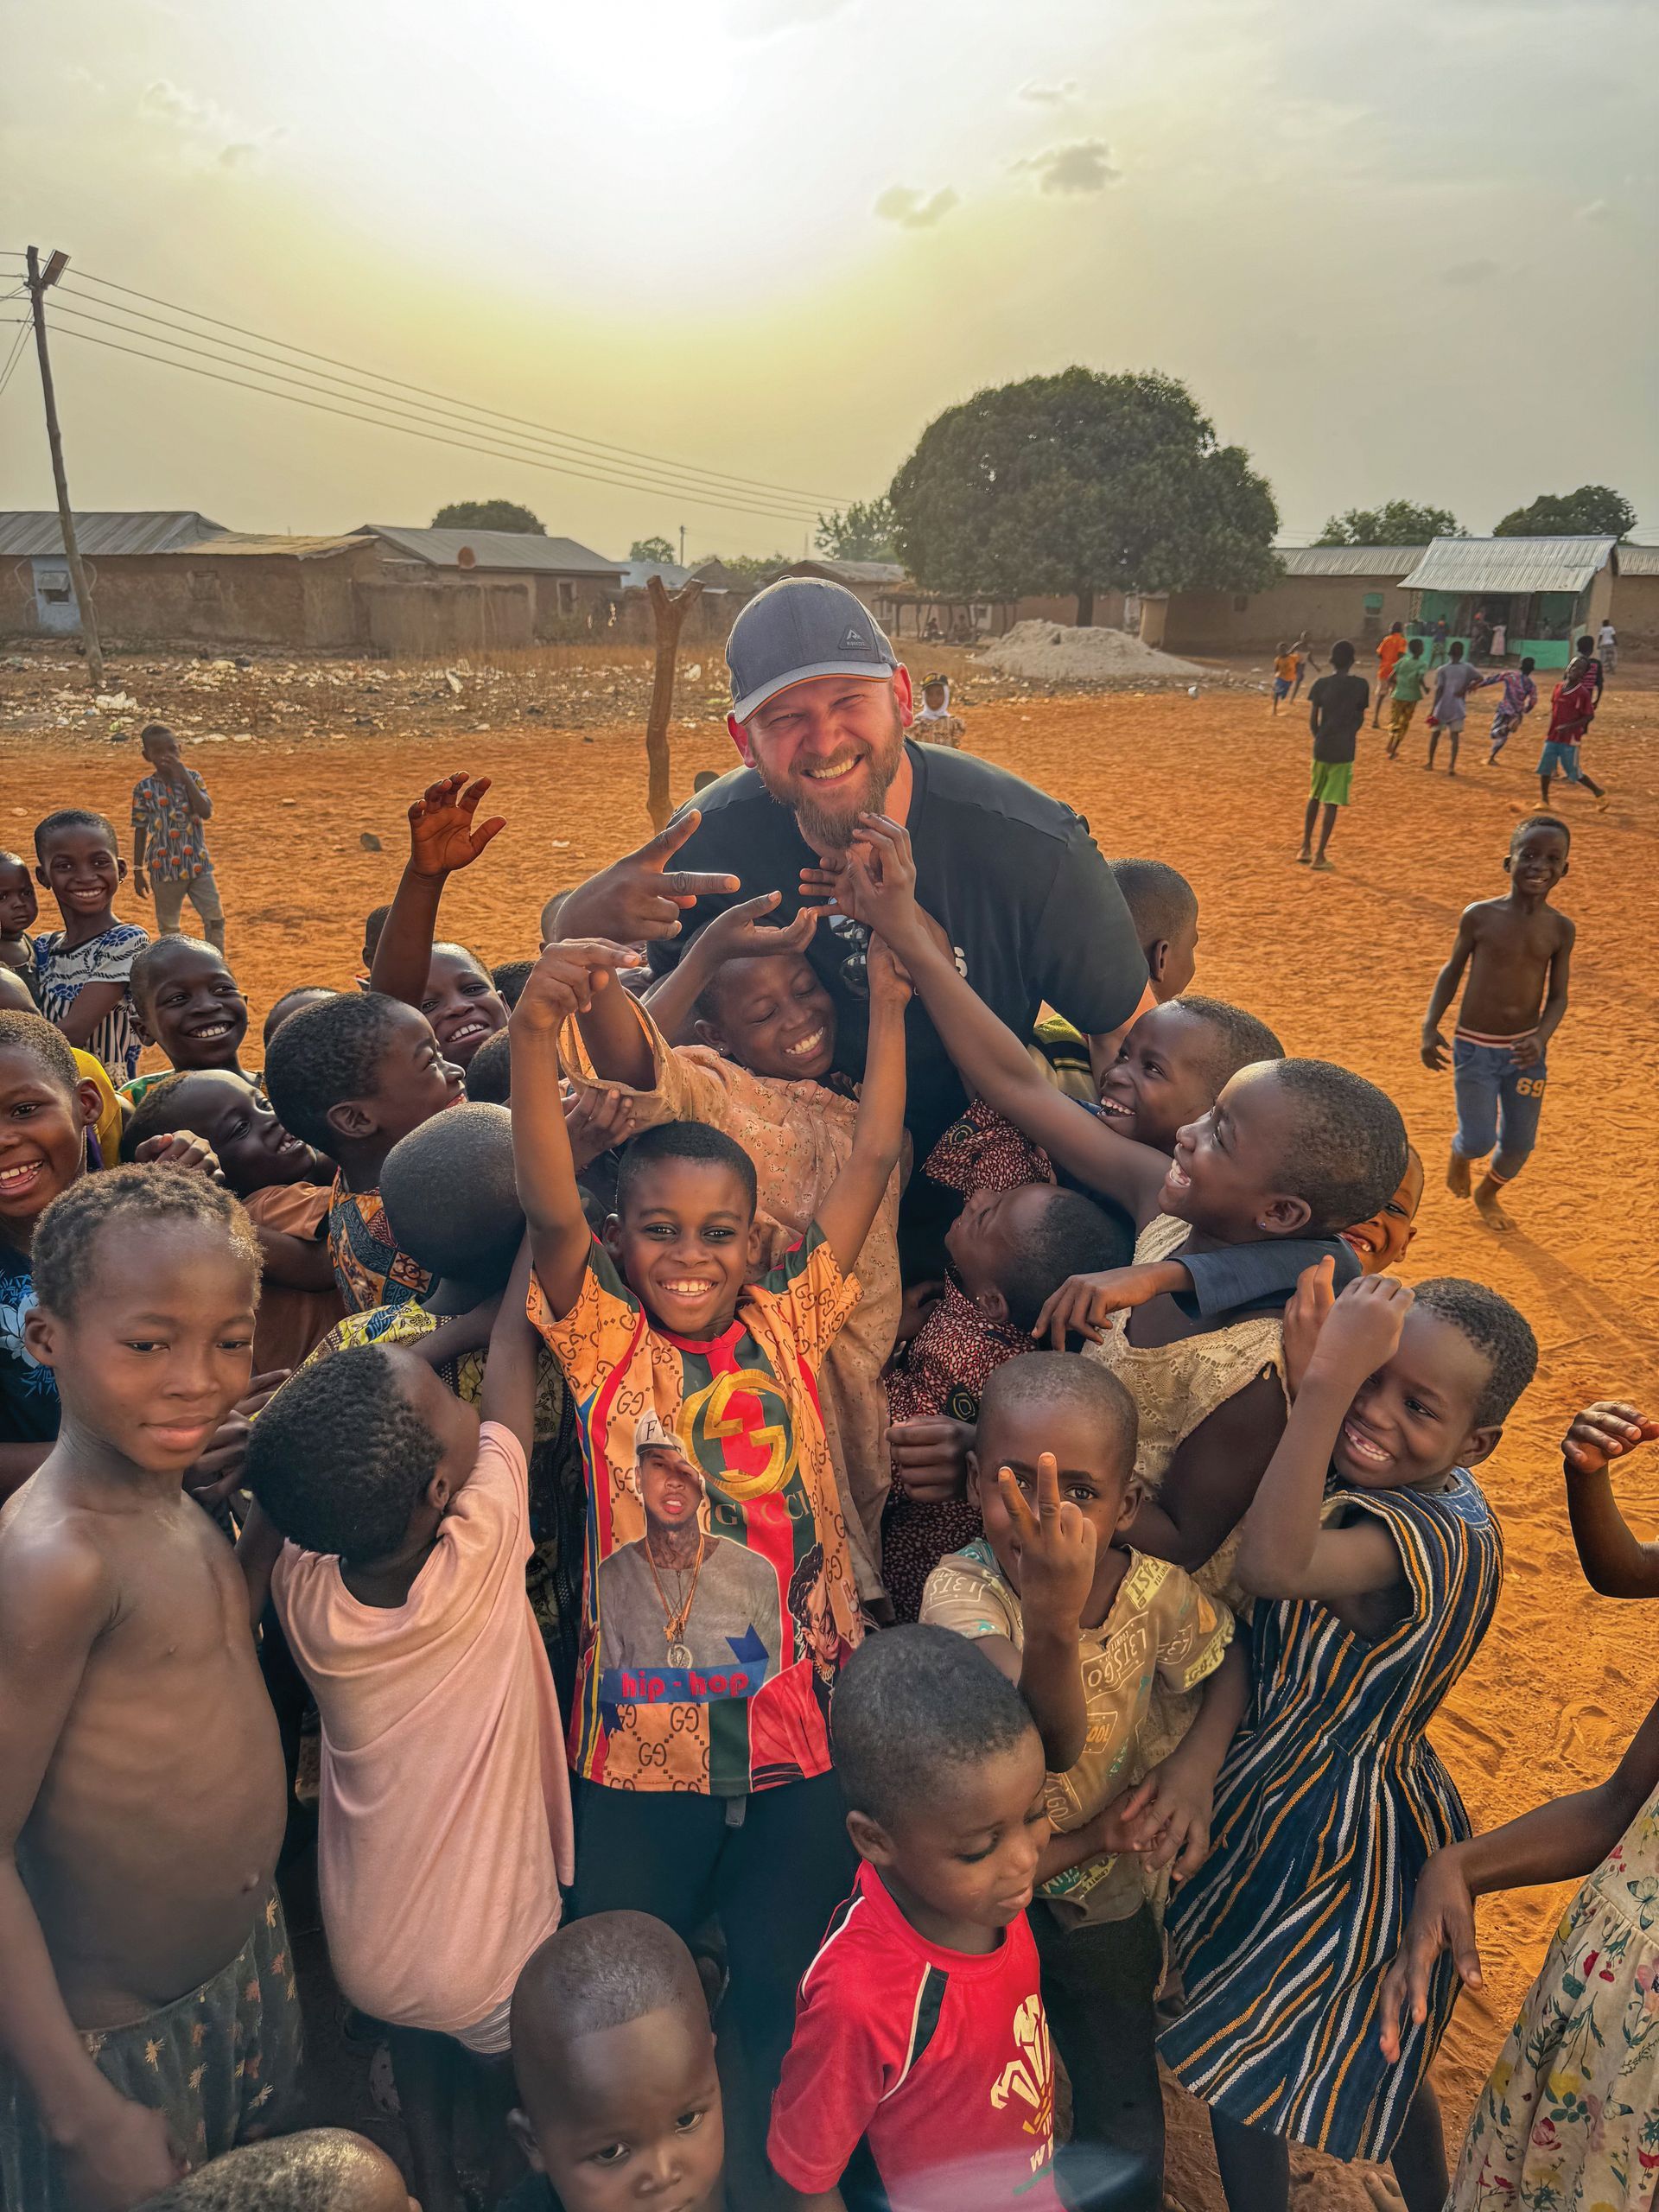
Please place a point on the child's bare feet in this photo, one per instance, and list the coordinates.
(1456, 1176)
(1304, 859)
(1487, 1206)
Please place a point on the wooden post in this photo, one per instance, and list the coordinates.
(668, 611)
(65, 513)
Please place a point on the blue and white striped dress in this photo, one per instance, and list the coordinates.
(1329, 1803)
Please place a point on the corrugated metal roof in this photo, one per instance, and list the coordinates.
(298, 549)
(1638, 560)
(498, 549)
(101, 534)
(1349, 560)
(636, 575)
(1516, 564)
(850, 572)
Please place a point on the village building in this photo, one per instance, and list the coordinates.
(1535, 595)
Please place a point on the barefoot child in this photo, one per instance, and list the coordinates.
(1335, 715)
(1517, 951)
(1332, 1800)
(614, 2060)
(451, 986)
(148, 2015)
(83, 968)
(1284, 673)
(1571, 710)
(1406, 693)
(1517, 699)
(1453, 681)
(1059, 1602)
(1389, 651)
(1567, 2116)
(698, 1785)
(170, 808)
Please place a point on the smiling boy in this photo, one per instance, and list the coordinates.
(186, 1000)
(84, 967)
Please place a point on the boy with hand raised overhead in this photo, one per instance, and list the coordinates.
(148, 2015)
(451, 986)
(694, 1783)
(83, 969)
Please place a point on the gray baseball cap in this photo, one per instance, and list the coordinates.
(799, 627)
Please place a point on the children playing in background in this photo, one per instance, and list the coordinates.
(1332, 1800)
(1572, 709)
(1518, 697)
(18, 909)
(452, 986)
(1389, 651)
(1567, 2115)
(1284, 673)
(619, 2095)
(147, 2014)
(1454, 680)
(1518, 951)
(445, 1797)
(1337, 705)
(1405, 694)
(1086, 1626)
(83, 968)
(170, 807)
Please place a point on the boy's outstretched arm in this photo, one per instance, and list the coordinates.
(441, 839)
(851, 1204)
(562, 982)
(879, 888)
(509, 1393)
(1436, 1050)
(55, 1600)
(1616, 1563)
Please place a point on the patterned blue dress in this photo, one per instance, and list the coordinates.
(1329, 1803)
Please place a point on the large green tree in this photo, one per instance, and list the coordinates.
(488, 514)
(1079, 483)
(1401, 522)
(650, 549)
(862, 532)
(1593, 510)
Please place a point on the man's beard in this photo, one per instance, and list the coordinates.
(829, 832)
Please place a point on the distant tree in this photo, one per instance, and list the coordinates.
(757, 568)
(488, 514)
(1078, 483)
(864, 532)
(650, 549)
(1593, 510)
(1402, 522)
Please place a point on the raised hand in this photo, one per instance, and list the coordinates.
(1056, 1549)
(740, 934)
(595, 1120)
(1442, 1919)
(889, 984)
(1083, 1304)
(1607, 1430)
(879, 886)
(1362, 1330)
(442, 836)
(1305, 1316)
(563, 981)
(639, 898)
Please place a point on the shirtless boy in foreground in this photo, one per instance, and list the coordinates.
(1517, 950)
(148, 2015)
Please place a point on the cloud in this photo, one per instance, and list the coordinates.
(164, 97)
(1597, 212)
(1465, 273)
(1082, 167)
(237, 155)
(1049, 95)
(916, 210)
(767, 18)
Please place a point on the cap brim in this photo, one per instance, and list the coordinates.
(751, 702)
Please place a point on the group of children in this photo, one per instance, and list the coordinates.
(966, 1694)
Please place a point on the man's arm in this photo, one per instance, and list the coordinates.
(441, 839)
(509, 1394)
(639, 899)
(849, 1207)
(55, 1601)
(1436, 1050)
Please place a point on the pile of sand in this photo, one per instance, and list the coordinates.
(1048, 653)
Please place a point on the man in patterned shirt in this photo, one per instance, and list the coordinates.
(169, 846)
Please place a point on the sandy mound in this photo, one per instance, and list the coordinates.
(1047, 652)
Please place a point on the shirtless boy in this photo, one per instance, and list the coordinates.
(1517, 951)
(148, 2017)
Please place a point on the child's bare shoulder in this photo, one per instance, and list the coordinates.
(56, 1571)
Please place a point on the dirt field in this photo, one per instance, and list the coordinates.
(1340, 964)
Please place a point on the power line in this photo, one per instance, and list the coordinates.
(601, 446)
(16, 353)
(558, 468)
(623, 475)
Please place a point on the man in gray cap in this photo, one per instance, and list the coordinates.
(821, 707)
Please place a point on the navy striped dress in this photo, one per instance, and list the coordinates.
(1329, 1803)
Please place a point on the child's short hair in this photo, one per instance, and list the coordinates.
(1528, 663)
(1242, 1040)
(488, 1077)
(374, 922)
(73, 817)
(691, 1140)
(910, 1705)
(1499, 1332)
(1072, 1237)
(1341, 654)
(338, 1459)
(323, 2169)
(510, 978)
(1344, 1143)
(1586, 644)
(157, 954)
(9, 859)
(44, 1043)
(154, 729)
(1063, 1378)
(451, 1200)
(324, 1054)
(276, 1018)
(1161, 900)
(65, 1242)
(153, 1115)
(600, 1973)
(1539, 821)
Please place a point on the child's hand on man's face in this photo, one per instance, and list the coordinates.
(878, 887)
(1057, 1547)
(1362, 1330)
(441, 837)
(1608, 1430)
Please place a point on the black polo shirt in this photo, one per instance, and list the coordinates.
(1013, 876)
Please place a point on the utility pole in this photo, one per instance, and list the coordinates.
(682, 545)
(38, 284)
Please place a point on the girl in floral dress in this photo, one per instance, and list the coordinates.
(1569, 2118)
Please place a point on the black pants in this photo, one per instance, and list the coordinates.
(1098, 1984)
(772, 1879)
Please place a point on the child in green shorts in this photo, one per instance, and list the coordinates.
(1336, 706)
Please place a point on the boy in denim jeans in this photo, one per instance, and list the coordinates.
(169, 845)
(1517, 951)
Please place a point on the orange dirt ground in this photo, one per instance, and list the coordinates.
(1340, 964)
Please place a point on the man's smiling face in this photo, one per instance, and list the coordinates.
(829, 747)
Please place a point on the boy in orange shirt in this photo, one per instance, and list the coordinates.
(1388, 659)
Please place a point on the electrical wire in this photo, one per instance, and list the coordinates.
(599, 446)
(17, 353)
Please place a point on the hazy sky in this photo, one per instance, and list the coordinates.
(1408, 251)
